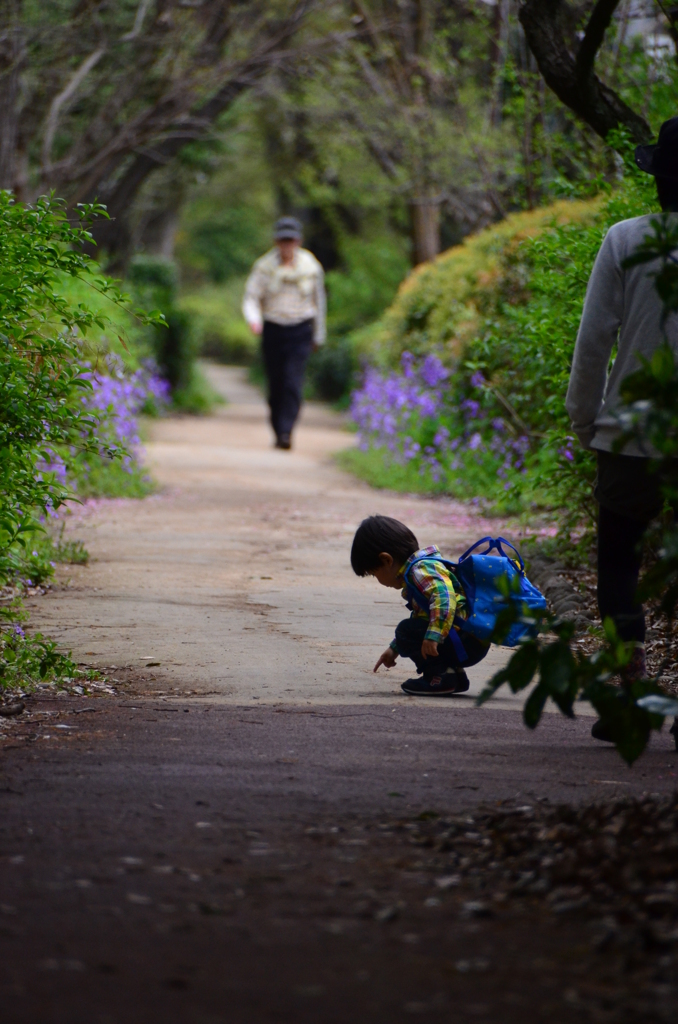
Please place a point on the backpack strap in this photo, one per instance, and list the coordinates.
(411, 589)
(494, 544)
(459, 648)
(413, 594)
(502, 540)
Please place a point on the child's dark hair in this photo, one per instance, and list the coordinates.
(381, 533)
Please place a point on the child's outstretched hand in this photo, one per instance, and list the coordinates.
(429, 649)
(388, 658)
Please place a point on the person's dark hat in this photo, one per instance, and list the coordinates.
(661, 159)
(289, 228)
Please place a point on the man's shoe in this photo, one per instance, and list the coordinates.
(674, 731)
(599, 731)
(284, 441)
(445, 685)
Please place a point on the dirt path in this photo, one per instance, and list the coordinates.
(237, 837)
(236, 579)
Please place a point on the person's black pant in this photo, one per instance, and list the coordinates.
(286, 350)
(410, 634)
(630, 497)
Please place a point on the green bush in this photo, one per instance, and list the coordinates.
(155, 282)
(440, 305)
(220, 329)
(49, 420)
(44, 422)
(502, 312)
(332, 370)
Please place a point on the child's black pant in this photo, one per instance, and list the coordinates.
(410, 634)
(286, 350)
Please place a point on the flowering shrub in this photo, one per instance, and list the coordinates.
(42, 376)
(59, 421)
(493, 424)
(417, 418)
(112, 403)
(116, 399)
(115, 402)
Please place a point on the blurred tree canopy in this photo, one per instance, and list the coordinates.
(98, 94)
(392, 129)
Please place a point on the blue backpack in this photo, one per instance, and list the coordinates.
(479, 575)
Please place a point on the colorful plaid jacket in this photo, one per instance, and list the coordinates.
(441, 588)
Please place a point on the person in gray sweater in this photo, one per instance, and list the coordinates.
(622, 309)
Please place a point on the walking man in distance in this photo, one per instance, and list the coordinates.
(285, 303)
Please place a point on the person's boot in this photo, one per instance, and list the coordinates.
(674, 731)
(284, 441)
(445, 685)
(631, 673)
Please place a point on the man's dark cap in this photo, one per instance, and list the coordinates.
(290, 228)
(661, 159)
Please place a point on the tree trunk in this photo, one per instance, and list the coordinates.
(158, 234)
(11, 56)
(425, 217)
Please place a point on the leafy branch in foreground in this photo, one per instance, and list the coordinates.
(650, 416)
(565, 676)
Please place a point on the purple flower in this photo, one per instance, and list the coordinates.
(432, 371)
(114, 403)
(409, 415)
(471, 408)
(407, 363)
(566, 451)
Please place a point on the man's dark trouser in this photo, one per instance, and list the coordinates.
(286, 351)
(630, 497)
(410, 635)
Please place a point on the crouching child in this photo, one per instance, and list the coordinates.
(389, 551)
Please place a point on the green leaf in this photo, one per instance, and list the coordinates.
(629, 725)
(522, 666)
(497, 680)
(658, 704)
(534, 705)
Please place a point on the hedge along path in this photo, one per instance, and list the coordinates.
(234, 582)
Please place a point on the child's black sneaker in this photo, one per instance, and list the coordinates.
(601, 731)
(445, 685)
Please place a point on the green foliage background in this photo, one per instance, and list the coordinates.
(505, 304)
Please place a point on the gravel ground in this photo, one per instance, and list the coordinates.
(202, 864)
(572, 593)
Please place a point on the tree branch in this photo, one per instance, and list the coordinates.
(163, 137)
(598, 24)
(61, 100)
(138, 22)
(593, 101)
